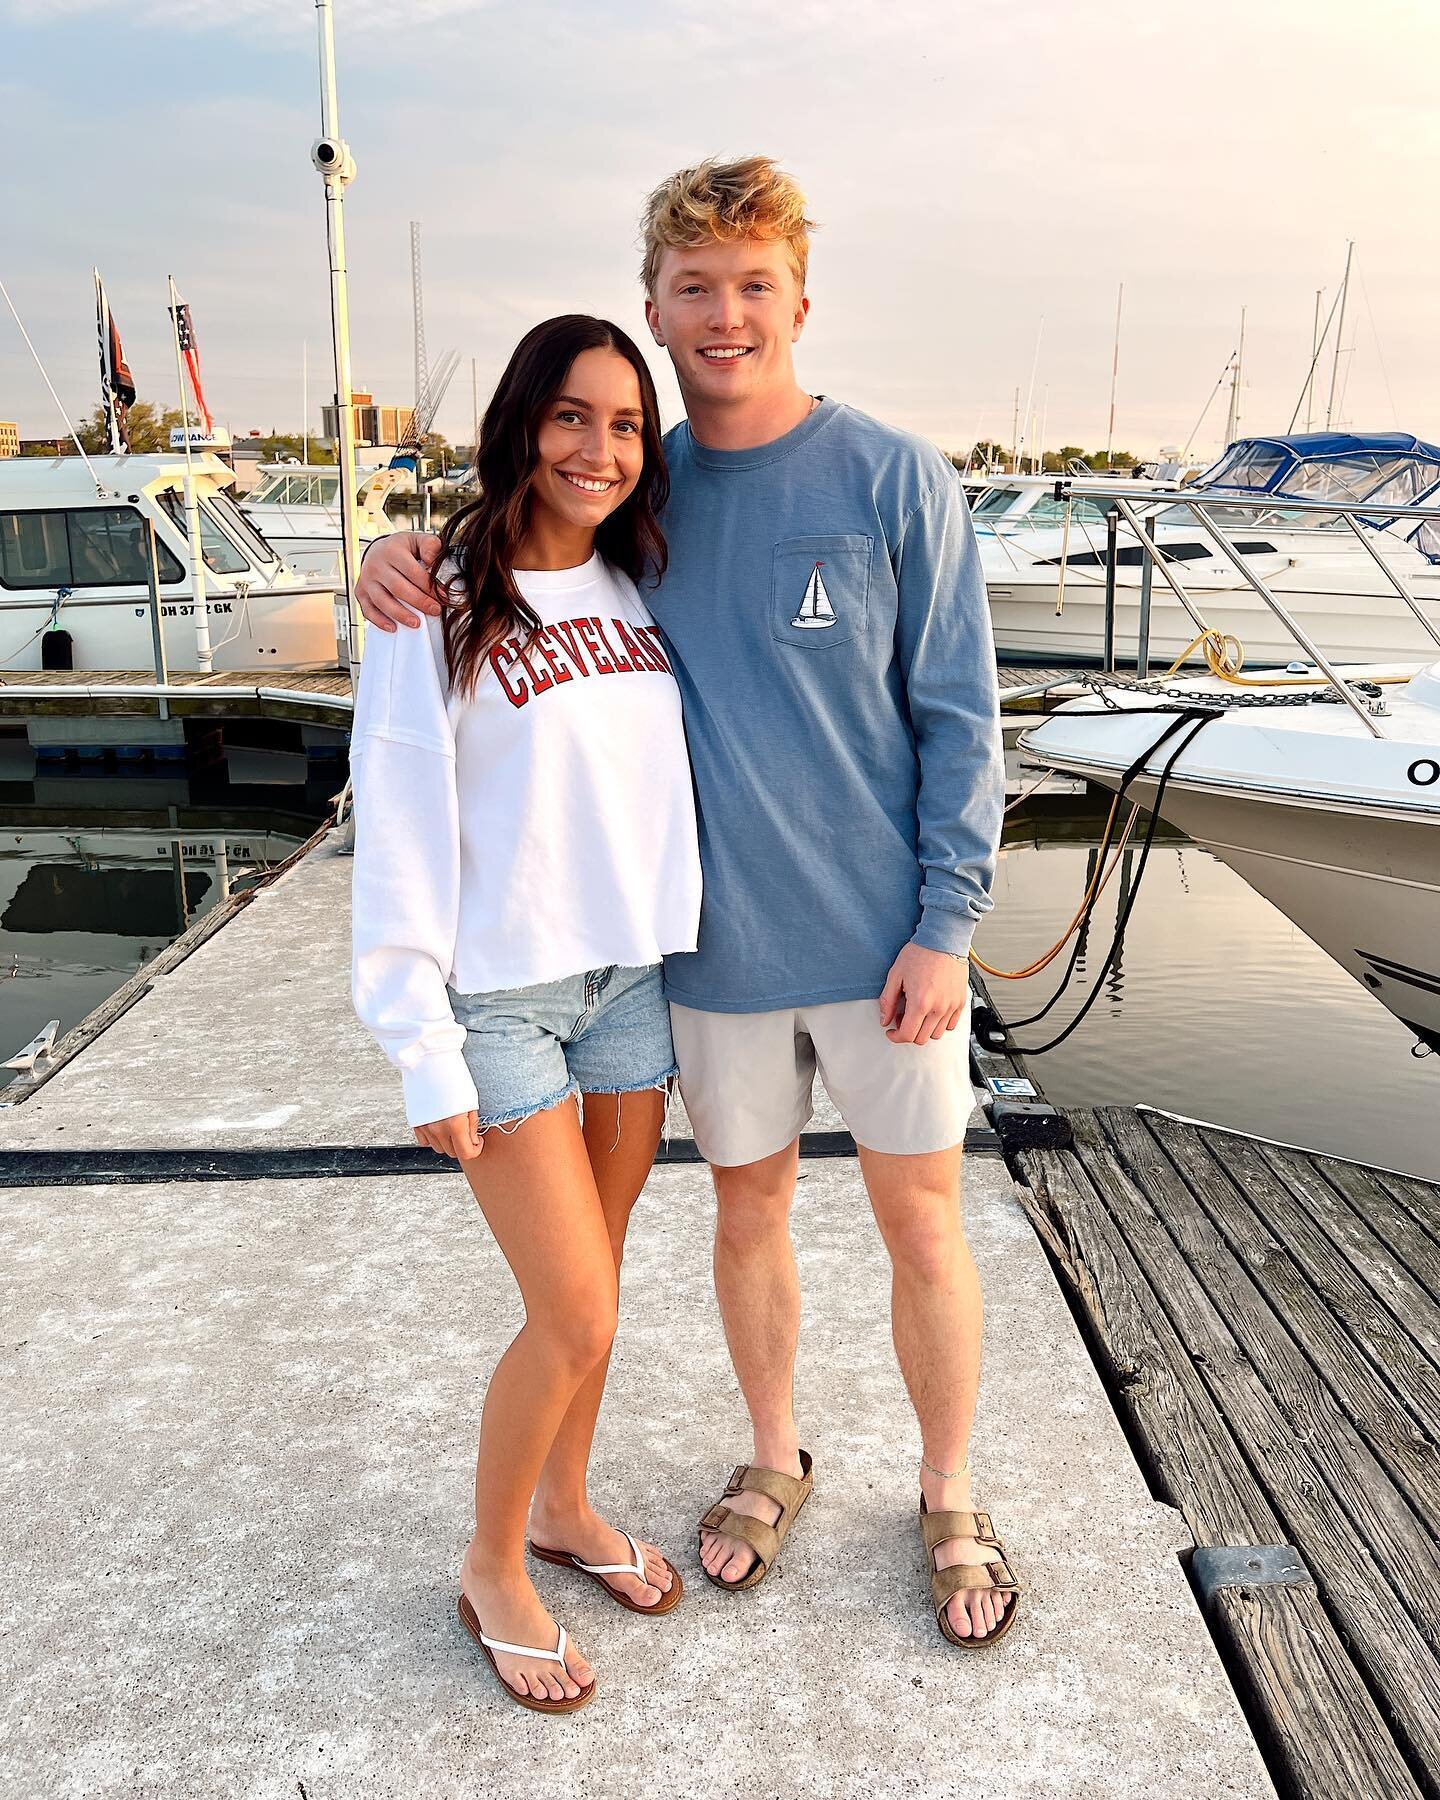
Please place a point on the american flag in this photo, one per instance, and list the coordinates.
(117, 385)
(189, 349)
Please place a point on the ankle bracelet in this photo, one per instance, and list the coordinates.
(945, 1474)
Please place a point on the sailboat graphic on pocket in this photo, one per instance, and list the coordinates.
(815, 611)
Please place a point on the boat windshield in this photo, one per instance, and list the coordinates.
(1427, 539)
(220, 555)
(241, 527)
(296, 487)
(1363, 475)
(1244, 465)
(1047, 512)
(994, 502)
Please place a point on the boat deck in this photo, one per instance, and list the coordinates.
(1269, 1323)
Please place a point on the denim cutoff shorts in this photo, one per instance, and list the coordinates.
(530, 1048)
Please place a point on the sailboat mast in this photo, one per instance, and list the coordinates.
(1339, 338)
(1314, 359)
(1114, 378)
(1237, 375)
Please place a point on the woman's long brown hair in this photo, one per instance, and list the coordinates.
(483, 539)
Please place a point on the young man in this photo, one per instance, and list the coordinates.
(825, 616)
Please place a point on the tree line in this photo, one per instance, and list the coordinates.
(1069, 457)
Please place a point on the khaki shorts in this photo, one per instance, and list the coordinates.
(746, 1080)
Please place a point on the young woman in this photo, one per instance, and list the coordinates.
(525, 853)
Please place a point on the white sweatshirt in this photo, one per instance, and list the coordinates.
(543, 826)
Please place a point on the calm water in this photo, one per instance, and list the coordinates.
(98, 874)
(1218, 1008)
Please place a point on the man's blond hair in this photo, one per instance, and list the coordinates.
(717, 202)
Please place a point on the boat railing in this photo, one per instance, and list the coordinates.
(1139, 510)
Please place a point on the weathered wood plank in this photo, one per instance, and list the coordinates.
(1197, 1463)
(1386, 1641)
(1417, 1197)
(1387, 1217)
(1385, 1385)
(1408, 1300)
(316, 681)
(1323, 1727)
(1311, 1444)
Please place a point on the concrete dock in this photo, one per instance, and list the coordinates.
(241, 1430)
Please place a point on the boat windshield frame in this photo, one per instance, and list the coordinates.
(233, 516)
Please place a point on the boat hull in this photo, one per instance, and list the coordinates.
(1364, 886)
(272, 628)
(1349, 626)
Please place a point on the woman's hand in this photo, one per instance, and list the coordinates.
(395, 576)
(458, 1137)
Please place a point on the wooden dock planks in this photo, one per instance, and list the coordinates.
(306, 697)
(1271, 1322)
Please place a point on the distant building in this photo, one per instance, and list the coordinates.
(245, 461)
(373, 424)
(9, 438)
(61, 446)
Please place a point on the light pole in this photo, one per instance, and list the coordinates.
(331, 156)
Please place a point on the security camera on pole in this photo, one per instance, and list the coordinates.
(331, 156)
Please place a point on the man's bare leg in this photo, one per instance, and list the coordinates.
(936, 1319)
(758, 1287)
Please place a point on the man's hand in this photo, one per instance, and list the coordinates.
(395, 576)
(458, 1137)
(925, 995)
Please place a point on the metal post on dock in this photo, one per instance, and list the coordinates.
(331, 157)
(1142, 642)
(157, 628)
(1112, 537)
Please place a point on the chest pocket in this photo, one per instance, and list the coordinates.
(819, 590)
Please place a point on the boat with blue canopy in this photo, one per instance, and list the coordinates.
(1047, 586)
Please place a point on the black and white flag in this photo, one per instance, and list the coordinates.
(117, 385)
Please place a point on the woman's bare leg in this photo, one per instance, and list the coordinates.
(536, 1190)
(621, 1135)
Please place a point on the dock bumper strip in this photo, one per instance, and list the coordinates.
(143, 1167)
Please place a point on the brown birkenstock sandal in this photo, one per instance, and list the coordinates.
(935, 1528)
(787, 1491)
(668, 1601)
(557, 1655)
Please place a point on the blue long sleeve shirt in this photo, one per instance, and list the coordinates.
(826, 620)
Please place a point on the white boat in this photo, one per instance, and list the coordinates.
(1047, 587)
(296, 509)
(1337, 827)
(73, 559)
(1003, 505)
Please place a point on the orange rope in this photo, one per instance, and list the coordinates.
(1098, 883)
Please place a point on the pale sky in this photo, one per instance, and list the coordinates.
(976, 168)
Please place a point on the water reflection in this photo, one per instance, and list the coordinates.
(99, 873)
(1217, 1007)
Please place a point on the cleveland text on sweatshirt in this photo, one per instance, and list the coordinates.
(540, 827)
(826, 618)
